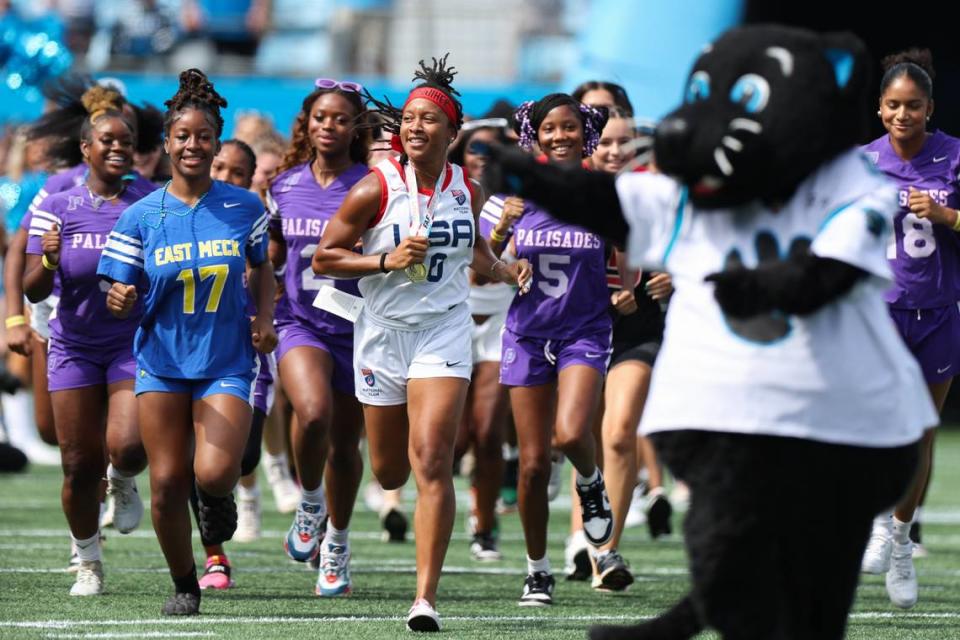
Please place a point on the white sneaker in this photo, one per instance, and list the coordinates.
(309, 525)
(556, 475)
(89, 579)
(127, 505)
(876, 558)
(680, 496)
(576, 557)
(637, 514)
(373, 496)
(902, 577)
(248, 519)
(423, 617)
(106, 513)
(286, 494)
(334, 577)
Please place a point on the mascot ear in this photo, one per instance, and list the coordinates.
(851, 64)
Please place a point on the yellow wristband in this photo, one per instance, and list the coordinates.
(15, 321)
(49, 266)
(496, 237)
(956, 224)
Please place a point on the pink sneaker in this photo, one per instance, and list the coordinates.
(217, 574)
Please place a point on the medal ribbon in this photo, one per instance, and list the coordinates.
(421, 226)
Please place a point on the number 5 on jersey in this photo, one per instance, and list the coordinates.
(219, 272)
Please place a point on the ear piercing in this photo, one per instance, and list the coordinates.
(878, 112)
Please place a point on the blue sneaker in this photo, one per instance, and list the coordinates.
(334, 577)
(303, 538)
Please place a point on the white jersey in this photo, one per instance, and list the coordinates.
(841, 375)
(392, 299)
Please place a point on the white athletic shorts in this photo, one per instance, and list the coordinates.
(486, 338)
(385, 358)
(41, 314)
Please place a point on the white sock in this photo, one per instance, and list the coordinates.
(314, 496)
(585, 481)
(116, 474)
(18, 419)
(901, 531)
(541, 565)
(280, 460)
(89, 549)
(336, 536)
(251, 493)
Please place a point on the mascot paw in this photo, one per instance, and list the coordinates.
(737, 292)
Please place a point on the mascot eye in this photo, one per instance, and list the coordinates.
(698, 87)
(752, 92)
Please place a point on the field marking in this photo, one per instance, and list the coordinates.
(138, 634)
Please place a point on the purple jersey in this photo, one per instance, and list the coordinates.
(82, 317)
(568, 296)
(925, 257)
(300, 209)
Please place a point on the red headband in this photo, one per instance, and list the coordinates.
(438, 98)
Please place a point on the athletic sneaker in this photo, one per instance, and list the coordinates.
(423, 617)
(902, 577)
(303, 537)
(89, 579)
(286, 494)
(680, 496)
(556, 475)
(127, 505)
(507, 503)
(876, 558)
(181, 604)
(334, 577)
(106, 513)
(216, 575)
(483, 547)
(612, 573)
(637, 514)
(537, 590)
(659, 513)
(248, 519)
(595, 509)
(919, 551)
(394, 525)
(576, 557)
(73, 564)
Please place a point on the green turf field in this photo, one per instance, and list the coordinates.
(274, 597)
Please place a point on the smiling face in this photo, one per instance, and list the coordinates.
(560, 135)
(331, 125)
(109, 149)
(425, 131)
(904, 109)
(192, 143)
(232, 165)
(612, 152)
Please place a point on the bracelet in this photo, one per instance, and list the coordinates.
(383, 262)
(49, 266)
(956, 224)
(493, 267)
(497, 237)
(16, 321)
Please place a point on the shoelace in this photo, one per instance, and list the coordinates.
(537, 582)
(334, 562)
(592, 500)
(87, 576)
(308, 523)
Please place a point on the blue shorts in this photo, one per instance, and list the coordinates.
(241, 385)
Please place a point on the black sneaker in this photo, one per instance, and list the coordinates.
(537, 590)
(595, 509)
(394, 525)
(612, 572)
(182, 604)
(659, 513)
(483, 547)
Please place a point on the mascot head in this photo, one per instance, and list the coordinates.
(763, 107)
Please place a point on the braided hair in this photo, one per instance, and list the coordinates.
(530, 115)
(915, 63)
(301, 148)
(195, 92)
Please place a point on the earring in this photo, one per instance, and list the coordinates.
(928, 118)
(878, 112)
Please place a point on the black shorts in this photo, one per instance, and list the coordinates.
(645, 352)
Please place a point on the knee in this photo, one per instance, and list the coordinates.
(81, 472)
(169, 492)
(315, 421)
(129, 457)
(391, 478)
(620, 443)
(535, 469)
(434, 462)
(343, 456)
(567, 439)
(218, 480)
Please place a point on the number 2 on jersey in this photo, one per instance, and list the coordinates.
(219, 272)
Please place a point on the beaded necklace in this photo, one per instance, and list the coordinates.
(162, 214)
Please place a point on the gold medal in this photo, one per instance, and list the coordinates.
(417, 272)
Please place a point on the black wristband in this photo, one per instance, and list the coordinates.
(383, 262)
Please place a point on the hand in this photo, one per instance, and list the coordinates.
(512, 211)
(924, 206)
(660, 286)
(520, 273)
(737, 292)
(121, 298)
(20, 339)
(50, 243)
(412, 250)
(263, 334)
(624, 302)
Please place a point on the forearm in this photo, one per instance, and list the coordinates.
(37, 280)
(344, 263)
(483, 260)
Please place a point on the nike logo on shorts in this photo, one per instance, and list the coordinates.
(940, 159)
(453, 364)
(232, 386)
(230, 205)
(944, 369)
(593, 355)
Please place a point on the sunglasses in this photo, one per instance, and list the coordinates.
(345, 85)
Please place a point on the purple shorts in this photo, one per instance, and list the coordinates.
(263, 386)
(933, 337)
(72, 367)
(527, 362)
(340, 348)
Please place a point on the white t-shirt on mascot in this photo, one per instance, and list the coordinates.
(841, 375)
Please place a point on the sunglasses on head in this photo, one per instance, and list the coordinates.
(345, 85)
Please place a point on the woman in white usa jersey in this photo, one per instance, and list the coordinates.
(412, 349)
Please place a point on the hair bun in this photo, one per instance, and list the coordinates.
(98, 99)
(923, 58)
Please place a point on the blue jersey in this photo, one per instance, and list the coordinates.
(194, 321)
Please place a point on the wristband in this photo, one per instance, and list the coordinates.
(15, 321)
(496, 237)
(49, 266)
(956, 224)
(383, 262)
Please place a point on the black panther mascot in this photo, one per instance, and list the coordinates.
(782, 394)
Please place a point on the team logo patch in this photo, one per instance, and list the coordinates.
(368, 377)
(458, 195)
(509, 356)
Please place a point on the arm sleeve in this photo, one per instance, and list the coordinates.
(122, 257)
(42, 218)
(653, 207)
(257, 240)
(490, 215)
(275, 224)
(858, 233)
